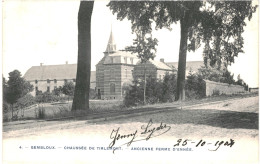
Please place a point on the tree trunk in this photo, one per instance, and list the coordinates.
(81, 98)
(182, 60)
(12, 110)
(145, 83)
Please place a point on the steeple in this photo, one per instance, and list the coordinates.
(111, 45)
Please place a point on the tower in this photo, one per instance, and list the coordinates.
(111, 45)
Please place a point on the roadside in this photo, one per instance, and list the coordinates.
(221, 102)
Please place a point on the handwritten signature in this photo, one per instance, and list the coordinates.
(147, 132)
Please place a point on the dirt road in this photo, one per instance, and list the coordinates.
(198, 130)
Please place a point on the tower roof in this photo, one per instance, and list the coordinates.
(111, 45)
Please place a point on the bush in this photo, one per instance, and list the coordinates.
(156, 91)
(26, 101)
(46, 97)
(195, 87)
(5, 107)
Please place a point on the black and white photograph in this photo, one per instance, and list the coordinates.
(130, 82)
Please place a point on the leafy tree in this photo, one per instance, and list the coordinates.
(228, 78)
(239, 80)
(4, 87)
(156, 90)
(17, 87)
(169, 87)
(58, 91)
(195, 86)
(81, 97)
(144, 45)
(68, 89)
(24, 102)
(218, 24)
(216, 74)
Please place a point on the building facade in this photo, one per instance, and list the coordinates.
(114, 71)
(117, 69)
(48, 77)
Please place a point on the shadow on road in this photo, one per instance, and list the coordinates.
(210, 117)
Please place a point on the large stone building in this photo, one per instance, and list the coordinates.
(116, 69)
(48, 77)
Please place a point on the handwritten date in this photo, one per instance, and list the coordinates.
(216, 145)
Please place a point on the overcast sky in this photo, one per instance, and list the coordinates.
(37, 32)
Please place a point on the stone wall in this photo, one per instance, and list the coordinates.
(222, 88)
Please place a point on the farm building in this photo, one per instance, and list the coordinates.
(48, 77)
(116, 69)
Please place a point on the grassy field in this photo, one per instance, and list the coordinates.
(63, 109)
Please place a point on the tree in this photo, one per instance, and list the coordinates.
(68, 89)
(17, 87)
(81, 97)
(239, 80)
(144, 45)
(4, 87)
(169, 87)
(218, 24)
(58, 91)
(195, 86)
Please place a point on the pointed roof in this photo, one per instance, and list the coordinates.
(111, 45)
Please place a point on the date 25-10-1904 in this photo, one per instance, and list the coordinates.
(212, 146)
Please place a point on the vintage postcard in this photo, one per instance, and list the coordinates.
(130, 82)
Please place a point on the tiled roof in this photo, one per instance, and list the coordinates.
(59, 72)
(190, 65)
(160, 65)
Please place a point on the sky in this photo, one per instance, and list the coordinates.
(45, 32)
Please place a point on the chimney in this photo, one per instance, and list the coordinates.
(41, 64)
(162, 60)
(66, 62)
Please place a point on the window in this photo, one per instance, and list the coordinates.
(125, 58)
(48, 81)
(132, 60)
(48, 89)
(112, 88)
(125, 73)
(74, 80)
(36, 81)
(65, 80)
(112, 74)
(112, 60)
(55, 81)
